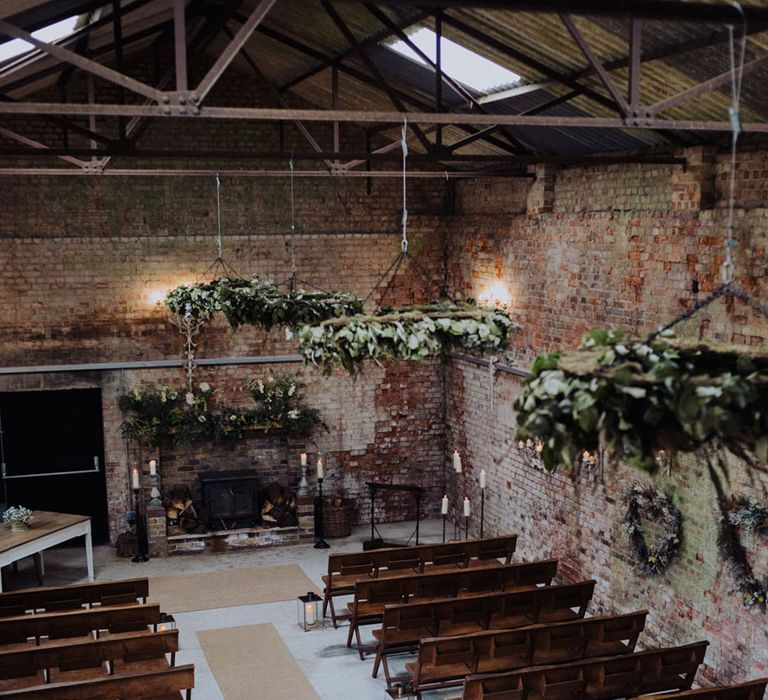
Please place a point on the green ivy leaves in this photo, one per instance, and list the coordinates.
(259, 303)
(405, 334)
(637, 399)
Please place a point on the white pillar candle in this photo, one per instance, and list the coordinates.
(135, 478)
(303, 459)
(482, 478)
(309, 613)
(153, 467)
(456, 462)
(444, 505)
(466, 507)
(320, 470)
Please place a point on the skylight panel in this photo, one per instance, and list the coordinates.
(458, 62)
(53, 32)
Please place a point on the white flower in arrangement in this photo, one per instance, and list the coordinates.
(291, 390)
(232, 417)
(260, 384)
(201, 418)
(18, 514)
(205, 387)
(190, 398)
(293, 414)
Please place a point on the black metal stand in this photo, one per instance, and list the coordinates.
(482, 511)
(466, 527)
(373, 489)
(142, 545)
(444, 528)
(321, 543)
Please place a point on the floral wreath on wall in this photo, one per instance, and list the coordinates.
(647, 502)
(738, 513)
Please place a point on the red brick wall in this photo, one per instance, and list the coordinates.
(618, 246)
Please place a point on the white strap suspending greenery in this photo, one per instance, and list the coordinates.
(737, 74)
(404, 146)
(293, 227)
(218, 218)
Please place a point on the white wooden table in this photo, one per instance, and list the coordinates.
(46, 530)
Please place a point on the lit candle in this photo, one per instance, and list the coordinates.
(303, 459)
(320, 470)
(309, 613)
(135, 478)
(153, 467)
(466, 507)
(482, 478)
(456, 462)
(444, 505)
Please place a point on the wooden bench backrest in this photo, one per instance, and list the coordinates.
(506, 650)
(152, 684)
(753, 690)
(611, 678)
(502, 610)
(423, 555)
(74, 596)
(90, 654)
(413, 588)
(131, 618)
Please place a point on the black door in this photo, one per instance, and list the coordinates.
(53, 453)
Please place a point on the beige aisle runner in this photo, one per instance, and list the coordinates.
(252, 661)
(224, 589)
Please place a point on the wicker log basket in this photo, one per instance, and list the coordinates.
(338, 517)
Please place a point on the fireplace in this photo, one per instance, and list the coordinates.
(230, 498)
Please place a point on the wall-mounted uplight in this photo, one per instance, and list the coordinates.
(495, 293)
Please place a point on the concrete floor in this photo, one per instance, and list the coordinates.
(332, 669)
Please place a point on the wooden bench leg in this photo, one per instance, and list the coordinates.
(377, 661)
(352, 627)
(333, 613)
(39, 568)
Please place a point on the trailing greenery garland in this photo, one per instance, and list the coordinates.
(754, 592)
(165, 413)
(651, 504)
(259, 303)
(639, 399)
(405, 334)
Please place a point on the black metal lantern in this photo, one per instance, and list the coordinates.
(167, 623)
(309, 611)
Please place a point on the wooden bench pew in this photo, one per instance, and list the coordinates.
(753, 690)
(78, 623)
(612, 678)
(404, 626)
(56, 662)
(372, 595)
(72, 597)
(345, 569)
(445, 661)
(168, 684)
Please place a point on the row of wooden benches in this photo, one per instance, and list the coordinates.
(344, 570)
(502, 631)
(92, 640)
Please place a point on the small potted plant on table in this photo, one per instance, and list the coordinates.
(18, 517)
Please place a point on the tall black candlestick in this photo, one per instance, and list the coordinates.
(466, 527)
(321, 543)
(444, 516)
(482, 511)
(142, 545)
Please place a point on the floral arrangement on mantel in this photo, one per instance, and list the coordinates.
(258, 302)
(405, 334)
(742, 513)
(184, 416)
(644, 400)
(647, 503)
(18, 517)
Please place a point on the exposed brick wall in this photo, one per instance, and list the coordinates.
(620, 246)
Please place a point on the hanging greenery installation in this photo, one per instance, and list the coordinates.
(184, 416)
(405, 334)
(258, 302)
(646, 502)
(639, 400)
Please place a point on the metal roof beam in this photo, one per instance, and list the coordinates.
(86, 64)
(36, 147)
(372, 116)
(233, 48)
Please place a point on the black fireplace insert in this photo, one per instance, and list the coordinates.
(231, 498)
